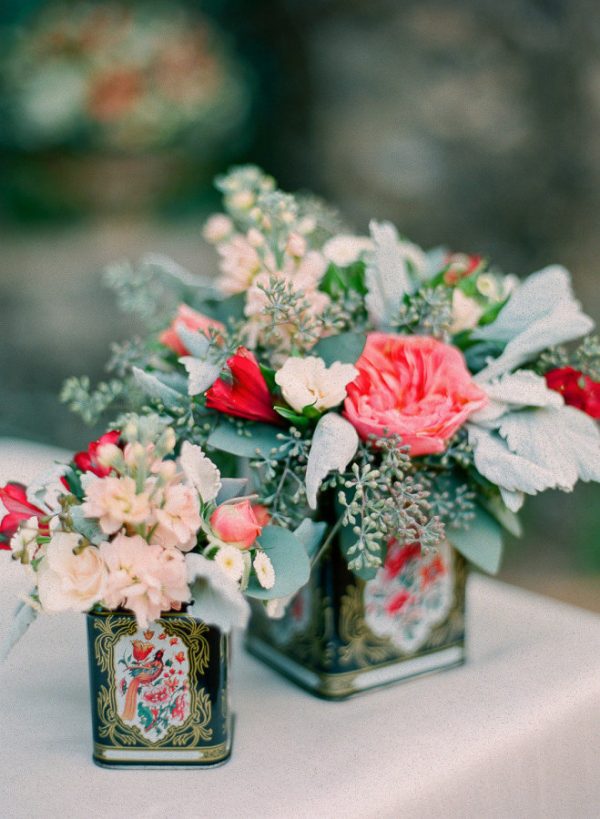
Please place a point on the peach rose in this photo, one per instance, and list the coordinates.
(236, 523)
(412, 386)
(187, 317)
(70, 577)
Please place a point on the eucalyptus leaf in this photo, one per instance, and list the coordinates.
(290, 562)
(259, 440)
(345, 348)
(86, 527)
(310, 534)
(231, 488)
(155, 388)
(481, 543)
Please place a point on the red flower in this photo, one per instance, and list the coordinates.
(460, 266)
(577, 389)
(173, 641)
(141, 650)
(397, 603)
(14, 497)
(247, 395)
(398, 556)
(180, 657)
(87, 461)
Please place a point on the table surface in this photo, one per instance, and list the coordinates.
(513, 733)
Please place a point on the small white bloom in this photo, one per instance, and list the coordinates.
(487, 285)
(255, 237)
(276, 607)
(217, 228)
(308, 382)
(345, 249)
(200, 471)
(242, 200)
(466, 312)
(24, 541)
(231, 561)
(264, 570)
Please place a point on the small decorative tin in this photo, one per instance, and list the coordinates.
(159, 694)
(341, 636)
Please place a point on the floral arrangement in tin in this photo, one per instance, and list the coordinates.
(132, 524)
(364, 387)
(121, 77)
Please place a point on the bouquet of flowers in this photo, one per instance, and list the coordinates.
(121, 77)
(130, 524)
(367, 390)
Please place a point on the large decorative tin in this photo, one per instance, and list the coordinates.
(159, 695)
(341, 636)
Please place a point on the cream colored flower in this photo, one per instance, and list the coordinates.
(231, 561)
(308, 382)
(239, 264)
(217, 228)
(296, 245)
(115, 502)
(264, 570)
(24, 543)
(466, 312)
(69, 580)
(345, 249)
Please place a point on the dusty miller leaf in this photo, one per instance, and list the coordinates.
(334, 444)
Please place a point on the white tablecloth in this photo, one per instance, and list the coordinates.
(515, 733)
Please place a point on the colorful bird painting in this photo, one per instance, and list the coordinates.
(143, 674)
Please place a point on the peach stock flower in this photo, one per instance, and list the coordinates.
(178, 518)
(187, 317)
(412, 386)
(114, 502)
(236, 523)
(146, 579)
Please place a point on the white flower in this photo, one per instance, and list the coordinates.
(200, 471)
(216, 598)
(345, 249)
(24, 542)
(69, 580)
(296, 245)
(276, 608)
(264, 570)
(217, 228)
(231, 561)
(466, 312)
(308, 382)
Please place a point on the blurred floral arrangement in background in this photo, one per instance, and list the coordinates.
(121, 77)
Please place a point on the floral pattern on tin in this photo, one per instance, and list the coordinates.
(152, 681)
(410, 595)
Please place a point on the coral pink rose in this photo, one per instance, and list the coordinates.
(236, 523)
(412, 386)
(187, 317)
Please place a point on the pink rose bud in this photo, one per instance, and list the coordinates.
(236, 523)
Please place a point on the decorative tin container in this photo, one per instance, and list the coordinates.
(159, 695)
(341, 636)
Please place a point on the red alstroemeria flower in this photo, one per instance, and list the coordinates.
(14, 498)
(247, 395)
(193, 320)
(577, 389)
(87, 461)
(460, 266)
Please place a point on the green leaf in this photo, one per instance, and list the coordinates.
(262, 440)
(269, 375)
(231, 307)
(291, 416)
(481, 543)
(347, 348)
(290, 562)
(340, 280)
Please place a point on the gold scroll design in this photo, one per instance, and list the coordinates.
(363, 648)
(111, 726)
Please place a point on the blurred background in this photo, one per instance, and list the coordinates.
(468, 123)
